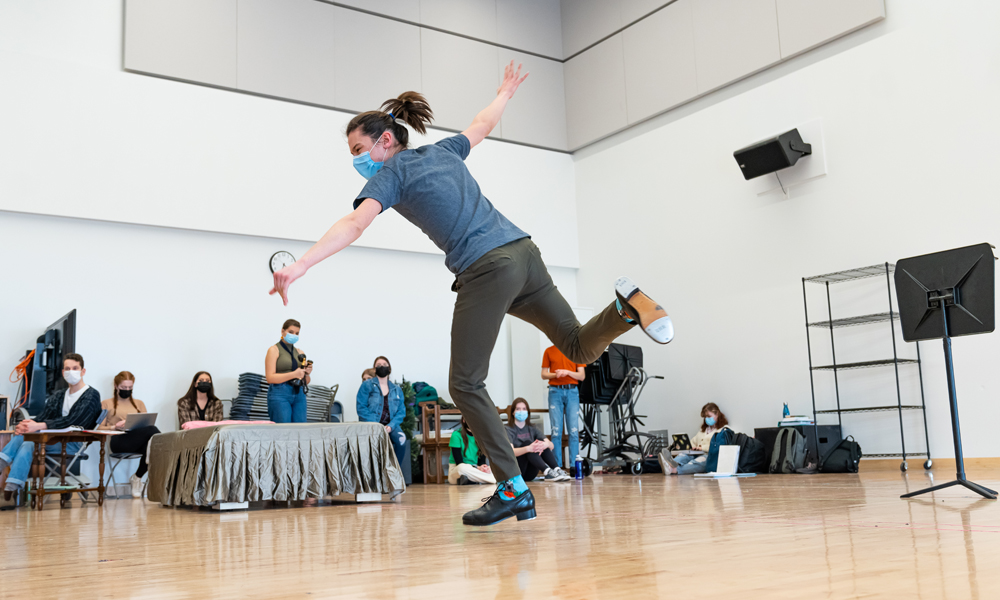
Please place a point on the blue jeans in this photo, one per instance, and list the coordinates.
(565, 401)
(18, 454)
(284, 405)
(398, 439)
(686, 464)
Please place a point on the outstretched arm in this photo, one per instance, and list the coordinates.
(486, 120)
(343, 233)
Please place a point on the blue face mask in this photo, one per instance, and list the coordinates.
(710, 421)
(291, 338)
(365, 165)
(520, 415)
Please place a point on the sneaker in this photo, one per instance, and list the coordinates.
(463, 480)
(636, 306)
(561, 475)
(496, 509)
(136, 486)
(666, 461)
(551, 475)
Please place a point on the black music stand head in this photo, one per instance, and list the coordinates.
(944, 295)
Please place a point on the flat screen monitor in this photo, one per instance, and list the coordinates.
(58, 340)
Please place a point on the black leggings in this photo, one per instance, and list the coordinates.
(532, 463)
(135, 442)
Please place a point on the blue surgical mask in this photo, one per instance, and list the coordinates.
(710, 421)
(291, 338)
(520, 415)
(365, 165)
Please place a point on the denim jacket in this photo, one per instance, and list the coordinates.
(370, 403)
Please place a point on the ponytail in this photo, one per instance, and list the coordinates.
(410, 108)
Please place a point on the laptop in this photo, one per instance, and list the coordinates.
(729, 460)
(139, 420)
(681, 442)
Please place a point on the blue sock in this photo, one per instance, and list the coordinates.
(618, 305)
(519, 487)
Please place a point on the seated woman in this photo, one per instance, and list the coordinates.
(534, 452)
(199, 403)
(134, 441)
(286, 378)
(467, 464)
(684, 464)
(381, 401)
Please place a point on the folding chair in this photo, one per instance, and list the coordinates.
(336, 412)
(115, 459)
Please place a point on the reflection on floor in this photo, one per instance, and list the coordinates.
(612, 536)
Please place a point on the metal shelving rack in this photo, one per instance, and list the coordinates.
(895, 362)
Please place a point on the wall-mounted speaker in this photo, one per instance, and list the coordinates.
(772, 155)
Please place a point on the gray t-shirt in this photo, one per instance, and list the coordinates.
(433, 189)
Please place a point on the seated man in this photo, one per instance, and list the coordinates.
(79, 405)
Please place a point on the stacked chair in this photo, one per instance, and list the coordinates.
(613, 385)
(251, 402)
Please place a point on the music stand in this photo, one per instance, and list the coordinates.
(944, 295)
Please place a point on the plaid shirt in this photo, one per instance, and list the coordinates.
(188, 411)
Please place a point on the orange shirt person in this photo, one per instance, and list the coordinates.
(564, 377)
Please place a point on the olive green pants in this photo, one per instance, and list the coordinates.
(512, 279)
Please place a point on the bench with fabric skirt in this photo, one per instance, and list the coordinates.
(230, 465)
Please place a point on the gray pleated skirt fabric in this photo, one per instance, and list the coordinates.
(249, 463)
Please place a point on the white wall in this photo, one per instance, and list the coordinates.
(92, 141)
(910, 123)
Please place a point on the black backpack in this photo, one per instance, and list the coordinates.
(789, 451)
(843, 458)
(753, 454)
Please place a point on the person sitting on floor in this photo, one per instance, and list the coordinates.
(533, 452)
(713, 420)
(199, 403)
(467, 464)
(134, 441)
(381, 401)
(79, 405)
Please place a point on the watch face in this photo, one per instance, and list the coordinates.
(280, 260)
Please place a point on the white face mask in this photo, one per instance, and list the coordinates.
(72, 377)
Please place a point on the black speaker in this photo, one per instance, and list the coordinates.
(772, 155)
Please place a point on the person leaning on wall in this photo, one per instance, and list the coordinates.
(135, 441)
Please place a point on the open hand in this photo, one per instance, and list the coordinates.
(511, 80)
(283, 280)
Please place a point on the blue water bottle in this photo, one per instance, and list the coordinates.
(578, 471)
(785, 412)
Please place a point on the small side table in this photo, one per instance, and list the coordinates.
(43, 439)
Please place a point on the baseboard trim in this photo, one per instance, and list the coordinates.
(939, 465)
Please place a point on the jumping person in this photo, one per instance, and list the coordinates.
(498, 269)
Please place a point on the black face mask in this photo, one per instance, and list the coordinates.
(204, 387)
(125, 393)
(382, 371)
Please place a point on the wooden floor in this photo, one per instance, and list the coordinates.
(611, 536)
